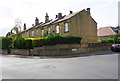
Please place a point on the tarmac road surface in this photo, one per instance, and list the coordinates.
(88, 67)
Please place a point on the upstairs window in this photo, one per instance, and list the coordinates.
(36, 31)
(66, 27)
(57, 29)
(33, 33)
(48, 30)
(22, 34)
(28, 33)
(42, 33)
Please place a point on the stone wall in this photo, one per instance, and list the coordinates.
(20, 51)
(0, 51)
(3, 51)
(62, 49)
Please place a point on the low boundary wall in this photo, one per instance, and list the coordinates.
(62, 49)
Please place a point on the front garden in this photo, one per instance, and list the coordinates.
(29, 43)
(113, 39)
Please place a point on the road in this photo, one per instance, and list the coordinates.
(88, 67)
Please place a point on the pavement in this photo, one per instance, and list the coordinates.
(68, 56)
(87, 67)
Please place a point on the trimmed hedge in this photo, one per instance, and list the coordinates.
(106, 40)
(113, 39)
(21, 43)
(6, 42)
(57, 39)
(29, 43)
(38, 43)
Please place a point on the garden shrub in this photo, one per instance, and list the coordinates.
(72, 39)
(107, 41)
(29, 43)
(38, 43)
(56, 39)
(21, 43)
(6, 42)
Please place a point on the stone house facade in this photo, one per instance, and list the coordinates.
(79, 23)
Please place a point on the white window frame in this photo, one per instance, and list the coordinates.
(22, 34)
(36, 31)
(57, 29)
(42, 32)
(33, 33)
(28, 34)
(48, 30)
(66, 27)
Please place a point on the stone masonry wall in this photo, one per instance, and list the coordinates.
(62, 49)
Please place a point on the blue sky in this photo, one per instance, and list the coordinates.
(105, 12)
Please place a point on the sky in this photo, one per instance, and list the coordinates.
(105, 12)
(119, 13)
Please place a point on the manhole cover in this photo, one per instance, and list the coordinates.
(49, 67)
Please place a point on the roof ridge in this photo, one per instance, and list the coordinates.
(113, 31)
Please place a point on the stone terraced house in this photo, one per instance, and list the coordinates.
(79, 23)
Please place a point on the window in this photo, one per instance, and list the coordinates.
(28, 34)
(25, 34)
(33, 33)
(57, 29)
(42, 32)
(22, 34)
(48, 30)
(36, 31)
(66, 27)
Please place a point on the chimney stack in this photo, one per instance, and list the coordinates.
(88, 11)
(46, 18)
(59, 15)
(119, 27)
(71, 12)
(56, 16)
(33, 25)
(36, 21)
(24, 26)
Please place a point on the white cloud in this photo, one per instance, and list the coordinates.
(103, 11)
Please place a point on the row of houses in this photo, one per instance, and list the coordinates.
(78, 23)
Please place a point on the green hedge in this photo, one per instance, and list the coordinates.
(29, 43)
(107, 41)
(57, 39)
(21, 43)
(6, 42)
(115, 38)
(38, 43)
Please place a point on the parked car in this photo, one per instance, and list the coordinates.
(115, 47)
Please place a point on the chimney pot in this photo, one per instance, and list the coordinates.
(71, 12)
(32, 24)
(36, 21)
(24, 26)
(88, 11)
(56, 16)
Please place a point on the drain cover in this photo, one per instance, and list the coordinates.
(49, 67)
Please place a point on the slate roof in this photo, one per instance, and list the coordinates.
(67, 17)
(54, 21)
